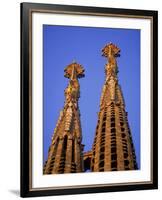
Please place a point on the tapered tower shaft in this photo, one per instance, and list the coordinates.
(65, 152)
(113, 147)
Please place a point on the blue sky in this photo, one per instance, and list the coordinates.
(62, 45)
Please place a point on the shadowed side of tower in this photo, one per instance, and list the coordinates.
(113, 147)
(65, 153)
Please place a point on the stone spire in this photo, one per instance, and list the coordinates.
(113, 147)
(65, 152)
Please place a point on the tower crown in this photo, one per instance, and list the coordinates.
(74, 71)
(111, 50)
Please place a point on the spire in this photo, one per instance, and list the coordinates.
(65, 153)
(113, 147)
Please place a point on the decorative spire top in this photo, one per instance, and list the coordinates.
(111, 51)
(74, 71)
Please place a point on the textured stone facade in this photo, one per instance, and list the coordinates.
(66, 151)
(113, 147)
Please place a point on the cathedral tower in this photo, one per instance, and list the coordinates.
(113, 147)
(65, 152)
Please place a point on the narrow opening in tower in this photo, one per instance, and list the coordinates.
(114, 164)
(112, 124)
(114, 157)
(112, 119)
(113, 150)
(104, 118)
(102, 156)
(113, 130)
(101, 164)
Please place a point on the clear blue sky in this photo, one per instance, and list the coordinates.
(62, 45)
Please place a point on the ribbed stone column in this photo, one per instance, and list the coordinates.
(68, 163)
(58, 156)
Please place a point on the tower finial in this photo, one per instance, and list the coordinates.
(111, 51)
(74, 70)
